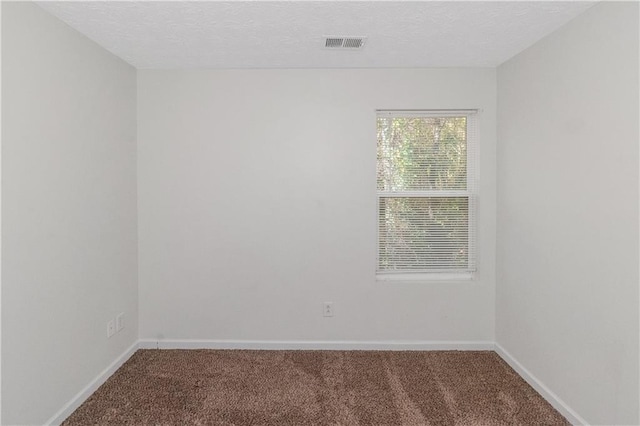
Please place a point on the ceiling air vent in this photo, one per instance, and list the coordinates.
(338, 42)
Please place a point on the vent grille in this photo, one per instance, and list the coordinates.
(338, 42)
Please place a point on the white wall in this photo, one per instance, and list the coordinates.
(68, 209)
(257, 203)
(567, 294)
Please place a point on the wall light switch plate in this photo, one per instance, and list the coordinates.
(120, 322)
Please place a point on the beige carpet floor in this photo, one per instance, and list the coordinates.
(233, 387)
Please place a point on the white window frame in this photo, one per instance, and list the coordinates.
(470, 193)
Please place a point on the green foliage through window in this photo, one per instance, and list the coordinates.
(423, 194)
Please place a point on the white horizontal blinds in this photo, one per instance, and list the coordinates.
(425, 177)
(424, 234)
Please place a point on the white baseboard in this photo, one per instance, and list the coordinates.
(540, 387)
(85, 393)
(319, 345)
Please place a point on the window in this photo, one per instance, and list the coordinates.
(426, 194)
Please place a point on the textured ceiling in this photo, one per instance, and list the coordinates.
(289, 34)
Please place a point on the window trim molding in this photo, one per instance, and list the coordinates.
(417, 277)
(471, 192)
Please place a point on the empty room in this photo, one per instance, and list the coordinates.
(320, 213)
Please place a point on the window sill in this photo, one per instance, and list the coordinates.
(427, 277)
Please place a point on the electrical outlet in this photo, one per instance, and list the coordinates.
(111, 328)
(120, 322)
(327, 309)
